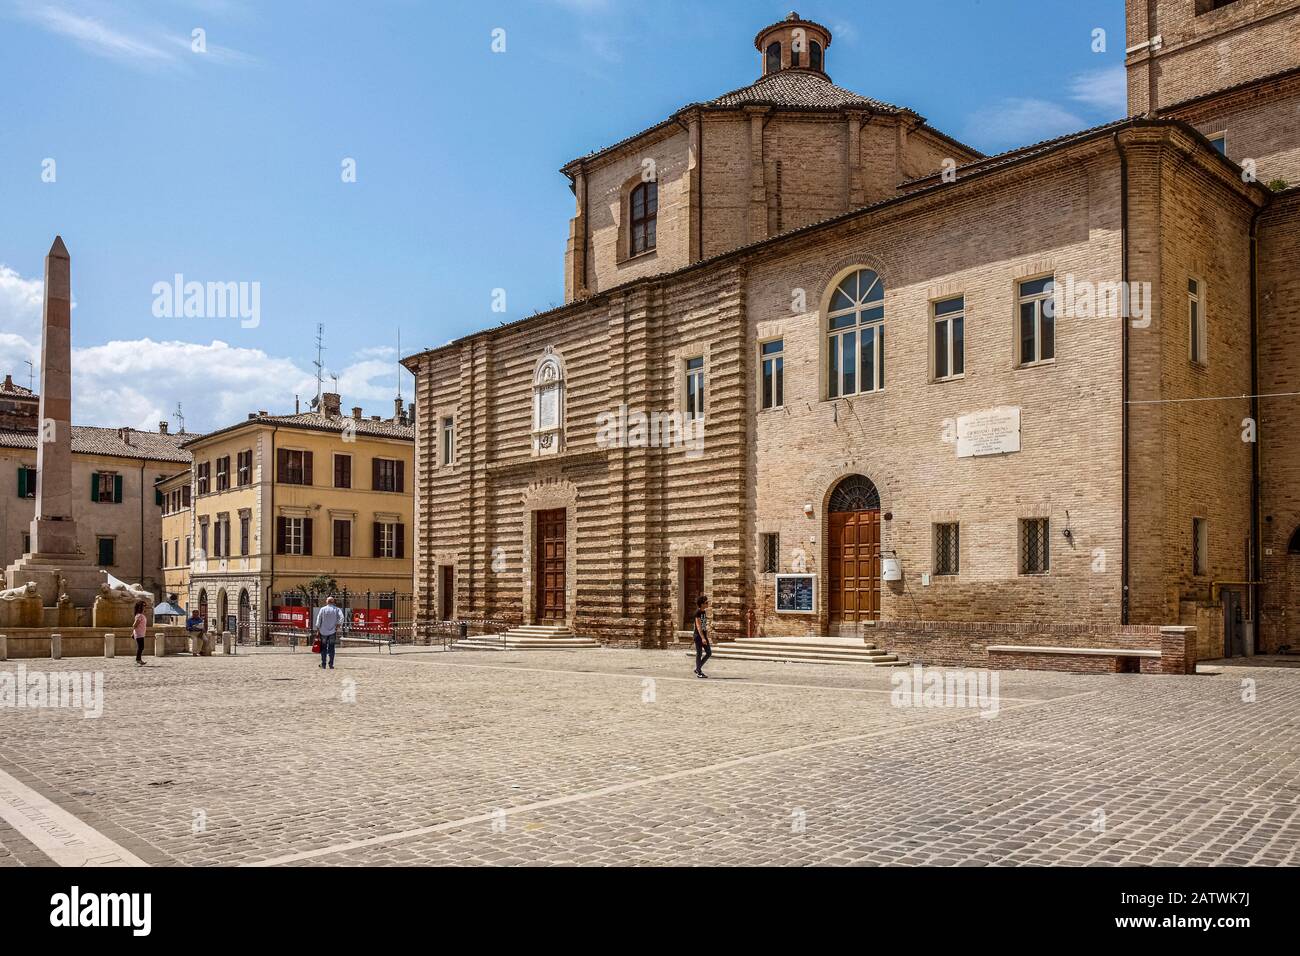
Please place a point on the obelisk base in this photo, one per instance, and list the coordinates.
(57, 574)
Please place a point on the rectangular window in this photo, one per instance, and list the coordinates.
(189, 550)
(342, 471)
(107, 548)
(204, 475)
(106, 487)
(1198, 335)
(947, 548)
(1200, 546)
(185, 496)
(1220, 143)
(771, 553)
(1034, 547)
(694, 389)
(245, 463)
(245, 529)
(1208, 6)
(293, 467)
(448, 441)
(27, 542)
(1037, 321)
(389, 539)
(203, 537)
(773, 359)
(223, 473)
(176, 552)
(342, 538)
(388, 474)
(293, 535)
(26, 482)
(949, 338)
(857, 355)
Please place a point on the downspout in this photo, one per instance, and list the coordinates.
(270, 587)
(1124, 383)
(699, 193)
(1255, 574)
(142, 464)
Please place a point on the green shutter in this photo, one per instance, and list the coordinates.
(117, 489)
(94, 486)
(22, 481)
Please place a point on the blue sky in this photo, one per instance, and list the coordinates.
(226, 165)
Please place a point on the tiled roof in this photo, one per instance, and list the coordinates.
(798, 89)
(91, 440)
(14, 390)
(1226, 90)
(311, 421)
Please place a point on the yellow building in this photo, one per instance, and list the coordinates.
(279, 500)
(174, 495)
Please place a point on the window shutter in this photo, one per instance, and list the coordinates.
(379, 539)
(281, 463)
(22, 481)
(306, 528)
(94, 486)
(117, 489)
(374, 475)
(399, 536)
(306, 470)
(401, 476)
(157, 497)
(279, 534)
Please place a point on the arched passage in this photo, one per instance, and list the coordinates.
(853, 551)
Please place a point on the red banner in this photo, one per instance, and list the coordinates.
(291, 616)
(372, 620)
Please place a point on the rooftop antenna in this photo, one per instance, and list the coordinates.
(31, 375)
(180, 418)
(399, 363)
(320, 365)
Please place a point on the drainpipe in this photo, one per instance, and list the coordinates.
(270, 588)
(1256, 573)
(1124, 384)
(142, 464)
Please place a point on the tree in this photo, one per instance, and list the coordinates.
(318, 589)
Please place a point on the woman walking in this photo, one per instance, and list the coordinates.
(702, 649)
(137, 631)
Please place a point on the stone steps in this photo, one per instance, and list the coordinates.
(806, 650)
(528, 637)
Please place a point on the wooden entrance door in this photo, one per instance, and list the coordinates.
(448, 588)
(548, 600)
(854, 548)
(692, 588)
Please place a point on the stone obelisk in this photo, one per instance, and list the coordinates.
(55, 564)
(54, 531)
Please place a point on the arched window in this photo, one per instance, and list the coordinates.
(1294, 546)
(855, 335)
(814, 54)
(796, 52)
(548, 404)
(855, 493)
(773, 57)
(644, 204)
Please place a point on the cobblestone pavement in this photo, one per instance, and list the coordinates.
(622, 757)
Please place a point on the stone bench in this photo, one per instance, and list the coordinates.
(1083, 660)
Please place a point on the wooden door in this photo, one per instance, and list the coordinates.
(448, 588)
(692, 588)
(550, 549)
(854, 552)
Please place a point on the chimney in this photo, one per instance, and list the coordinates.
(252, 414)
(297, 406)
(399, 410)
(162, 428)
(262, 412)
(356, 413)
(410, 415)
(375, 418)
(331, 403)
(9, 381)
(125, 435)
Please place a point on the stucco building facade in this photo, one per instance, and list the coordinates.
(904, 389)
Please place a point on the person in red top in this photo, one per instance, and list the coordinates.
(137, 631)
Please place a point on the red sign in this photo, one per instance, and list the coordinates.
(292, 616)
(373, 620)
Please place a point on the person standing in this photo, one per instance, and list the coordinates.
(703, 650)
(137, 631)
(327, 630)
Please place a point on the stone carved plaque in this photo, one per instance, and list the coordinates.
(994, 431)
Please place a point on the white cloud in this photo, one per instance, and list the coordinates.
(1105, 90)
(378, 351)
(143, 47)
(1018, 121)
(20, 304)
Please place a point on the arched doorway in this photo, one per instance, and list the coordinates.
(853, 551)
(223, 609)
(203, 606)
(245, 612)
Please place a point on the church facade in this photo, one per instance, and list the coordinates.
(847, 375)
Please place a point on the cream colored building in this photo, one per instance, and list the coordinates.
(174, 495)
(278, 500)
(115, 503)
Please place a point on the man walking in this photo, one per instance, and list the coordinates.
(703, 651)
(327, 630)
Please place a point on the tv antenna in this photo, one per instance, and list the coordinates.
(31, 375)
(180, 418)
(399, 363)
(319, 363)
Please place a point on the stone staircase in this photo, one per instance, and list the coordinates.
(529, 637)
(806, 650)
